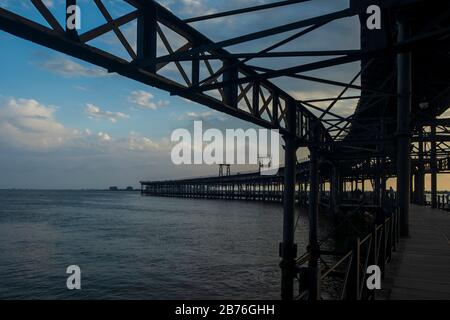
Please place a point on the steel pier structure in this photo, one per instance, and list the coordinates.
(397, 130)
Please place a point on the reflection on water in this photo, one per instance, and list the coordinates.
(134, 247)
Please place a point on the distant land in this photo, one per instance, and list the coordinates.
(129, 188)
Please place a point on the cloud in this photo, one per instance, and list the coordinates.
(207, 115)
(94, 112)
(69, 68)
(30, 124)
(144, 100)
(104, 136)
(137, 142)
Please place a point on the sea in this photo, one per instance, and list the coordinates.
(129, 246)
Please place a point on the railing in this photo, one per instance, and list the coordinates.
(443, 201)
(375, 248)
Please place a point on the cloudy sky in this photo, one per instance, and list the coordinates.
(68, 124)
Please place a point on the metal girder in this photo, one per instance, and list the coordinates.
(418, 43)
(274, 101)
(244, 10)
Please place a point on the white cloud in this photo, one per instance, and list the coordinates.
(137, 142)
(104, 137)
(68, 68)
(94, 112)
(31, 125)
(144, 99)
(207, 115)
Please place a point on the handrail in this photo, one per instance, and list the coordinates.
(375, 248)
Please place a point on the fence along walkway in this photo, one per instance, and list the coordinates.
(420, 268)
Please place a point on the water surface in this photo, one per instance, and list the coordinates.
(133, 247)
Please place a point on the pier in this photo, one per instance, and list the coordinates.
(398, 133)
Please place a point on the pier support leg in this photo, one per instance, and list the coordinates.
(403, 130)
(314, 290)
(288, 249)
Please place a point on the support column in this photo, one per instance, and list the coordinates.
(71, 32)
(314, 290)
(433, 166)
(377, 184)
(230, 91)
(147, 36)
(403, 130)
(335, 189)
(288, 249)
(420, 172)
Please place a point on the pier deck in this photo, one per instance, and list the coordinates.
(420, 267)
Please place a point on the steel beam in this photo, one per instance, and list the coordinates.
(244, 10)
(420, 176)
(288, 249)
(433, 166)
(403, 129)
(147, 26)
(314, 282)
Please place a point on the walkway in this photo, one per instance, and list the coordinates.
(420, 268)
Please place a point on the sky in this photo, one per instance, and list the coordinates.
(66, 124)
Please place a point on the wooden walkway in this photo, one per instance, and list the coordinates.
(420, 267)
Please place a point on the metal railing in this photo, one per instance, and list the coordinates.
(350, 267)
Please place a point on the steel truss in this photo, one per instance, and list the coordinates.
(376, 142)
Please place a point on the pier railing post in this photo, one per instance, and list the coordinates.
(403, 128)
(353, 282)
(433, 166)
(288, 249)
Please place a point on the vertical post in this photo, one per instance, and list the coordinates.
(314, 290)
(288, 249)
(403, 129)
(433, 166)
(230, 91)
(335, 189)
(72, 33)
(377, 184)
(255, 99)
(353, 284)
(195, 66)
(147, 35)
(420, 171)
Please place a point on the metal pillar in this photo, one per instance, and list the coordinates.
(230, 91)
(288, 249)
(314, 290)
(72, 33)
(377, 184)
(403, 130)
(335, 189)
(433, 166)
(420, 176)
(147, 40)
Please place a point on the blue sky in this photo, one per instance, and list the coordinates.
(68, 124)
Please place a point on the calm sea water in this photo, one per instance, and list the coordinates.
(133, 247)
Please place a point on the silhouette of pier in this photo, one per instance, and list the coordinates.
(398, 130)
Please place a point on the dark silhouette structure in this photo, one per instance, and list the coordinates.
(395, 132)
